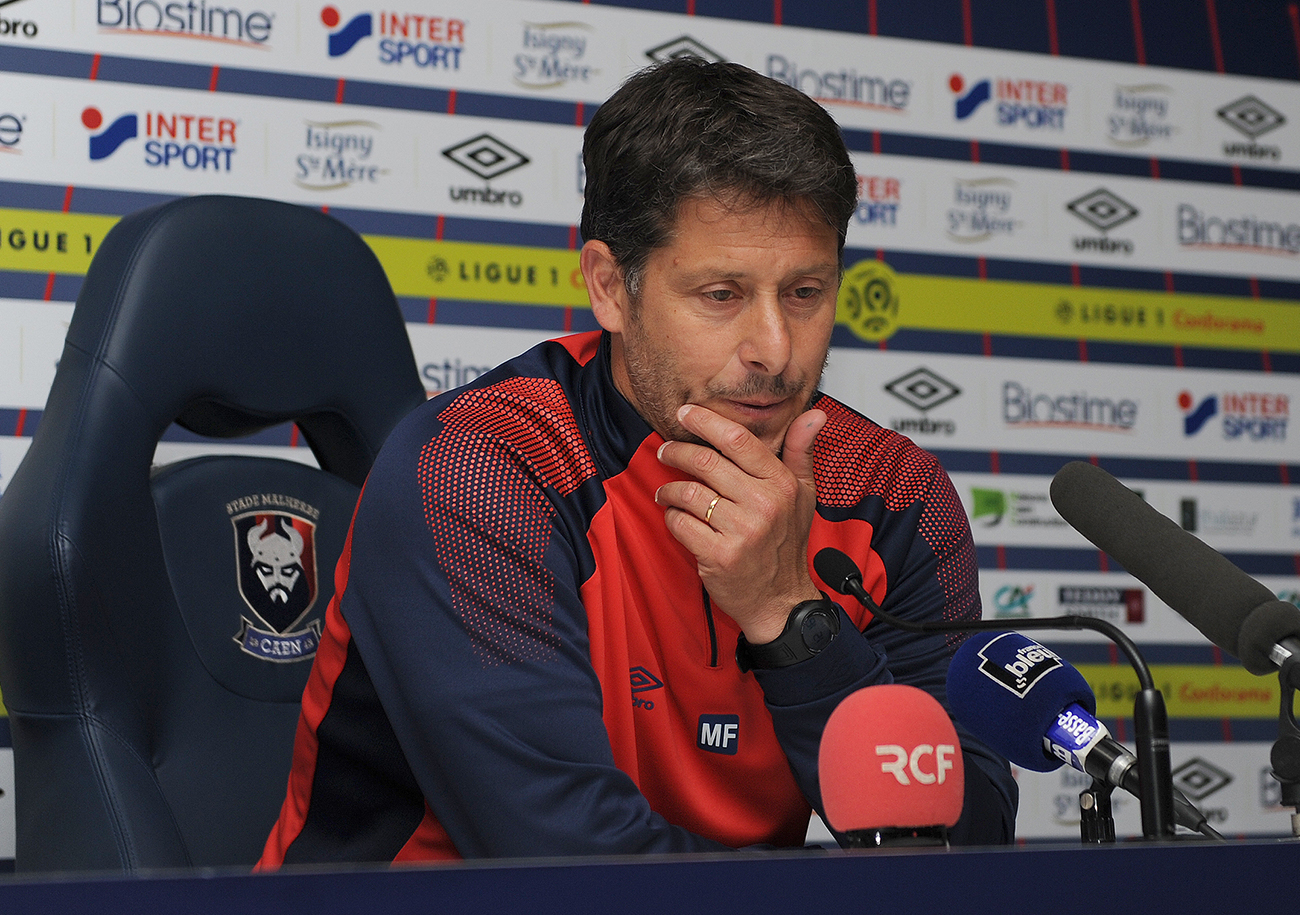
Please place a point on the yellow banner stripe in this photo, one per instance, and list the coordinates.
(39, 241)
(491, 273)
(1190, 691)
(875, 302)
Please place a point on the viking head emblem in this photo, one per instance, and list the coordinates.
(276, 559)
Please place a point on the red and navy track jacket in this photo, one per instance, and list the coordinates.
(521, 661)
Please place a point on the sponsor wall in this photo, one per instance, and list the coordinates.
(1057, 254)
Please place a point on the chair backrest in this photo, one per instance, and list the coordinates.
(157, 624)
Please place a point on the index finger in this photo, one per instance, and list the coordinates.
(733, 441)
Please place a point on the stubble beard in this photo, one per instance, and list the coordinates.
(660, 391)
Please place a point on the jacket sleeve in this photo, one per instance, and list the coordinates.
(463, 601)
(929, 556)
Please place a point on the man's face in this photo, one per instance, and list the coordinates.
(277, 563)
(735, 314)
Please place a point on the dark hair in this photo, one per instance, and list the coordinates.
(689, 128)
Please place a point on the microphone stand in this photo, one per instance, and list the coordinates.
(1096, 824)
(1150, 720)
(1285, 756)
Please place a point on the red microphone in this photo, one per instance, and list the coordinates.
(891, 768)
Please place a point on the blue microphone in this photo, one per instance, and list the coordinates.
(1010, 691)
(1033, 707)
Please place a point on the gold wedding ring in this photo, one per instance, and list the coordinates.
(709, 514)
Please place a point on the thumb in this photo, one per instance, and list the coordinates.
(796, 452)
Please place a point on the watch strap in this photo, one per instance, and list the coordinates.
(809, 628)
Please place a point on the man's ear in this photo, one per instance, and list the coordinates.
(605, 287)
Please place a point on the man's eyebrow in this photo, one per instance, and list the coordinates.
(705, 273)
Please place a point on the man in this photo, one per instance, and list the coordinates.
(568, 590)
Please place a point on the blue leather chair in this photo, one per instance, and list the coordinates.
(157, 623)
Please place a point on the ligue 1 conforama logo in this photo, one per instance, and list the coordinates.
(868, 300)
(276, 561)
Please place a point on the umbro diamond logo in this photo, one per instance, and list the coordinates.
(643, 681)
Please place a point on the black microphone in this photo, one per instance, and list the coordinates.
(1230, 608)
(843, 575)
(1035, 708)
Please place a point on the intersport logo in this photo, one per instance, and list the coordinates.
(1035, 104)
(405, 39)
(1240, 415)
(172, 139)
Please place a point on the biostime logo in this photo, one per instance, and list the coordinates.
(11, 133)
(1196, 229)
(845, 86)
(430, 42)
(1036, 104)
(1023, 408)
(1253, 416)
(185, 20)
(190, 141)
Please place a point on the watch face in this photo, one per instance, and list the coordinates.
(818, 629)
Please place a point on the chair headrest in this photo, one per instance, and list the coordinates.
(320, 338)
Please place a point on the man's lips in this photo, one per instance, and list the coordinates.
(756, 408)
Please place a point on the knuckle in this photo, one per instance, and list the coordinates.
(707, 460)
(736, 437)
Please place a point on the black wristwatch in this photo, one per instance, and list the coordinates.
(811, 626)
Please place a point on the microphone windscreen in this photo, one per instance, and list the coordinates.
(890, 758)
(1264, 627)
(835, 568)
(1198, 582)
(1008, 690)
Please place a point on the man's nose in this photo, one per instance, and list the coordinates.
(766, 345)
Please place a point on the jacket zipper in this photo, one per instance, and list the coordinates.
(713, 632)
